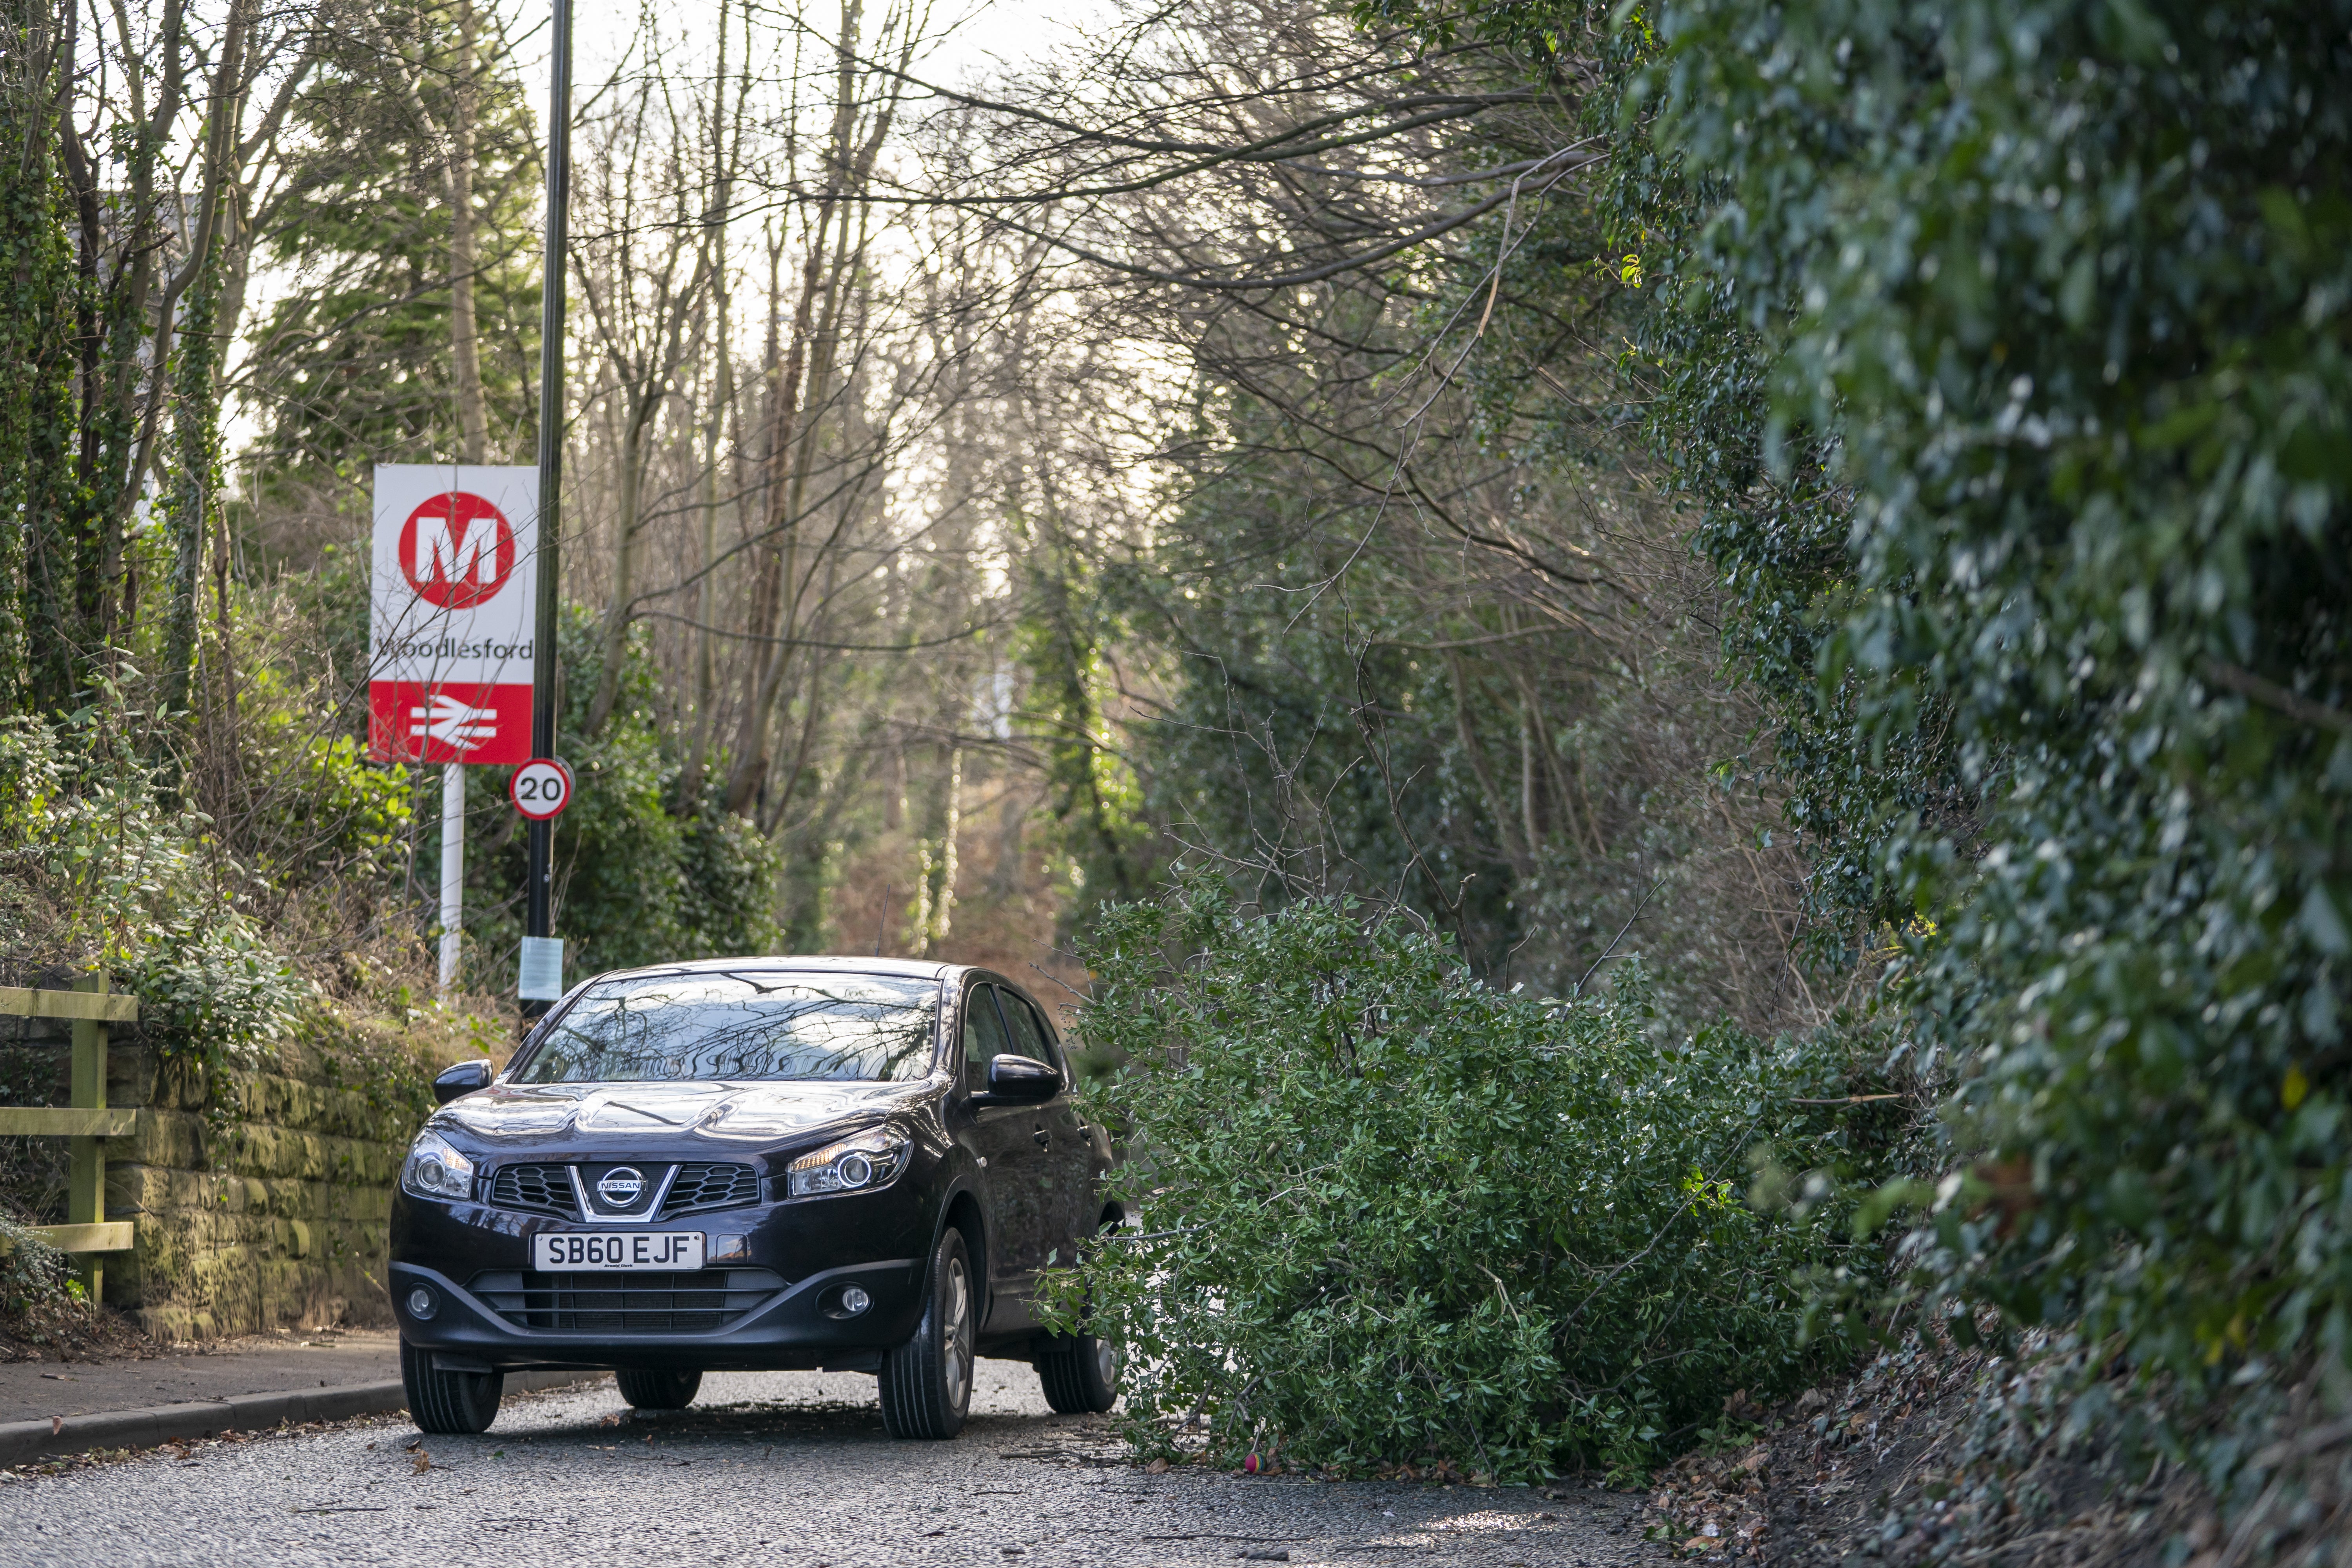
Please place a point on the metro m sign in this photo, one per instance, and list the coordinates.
(457, 550)
(454, 589)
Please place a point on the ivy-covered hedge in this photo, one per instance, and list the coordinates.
(1390, 1214)
(2009, 349)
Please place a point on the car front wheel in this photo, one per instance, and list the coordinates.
(448, 1400)
(927, 1381)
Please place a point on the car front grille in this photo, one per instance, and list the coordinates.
(702, 1188)
(536, 1189)
(626, 1303)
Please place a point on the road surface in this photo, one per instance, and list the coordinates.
(790, 1469)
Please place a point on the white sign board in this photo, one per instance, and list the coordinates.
(542, 969)
(453, 598)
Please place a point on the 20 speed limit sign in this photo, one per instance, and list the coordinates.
(542, 788)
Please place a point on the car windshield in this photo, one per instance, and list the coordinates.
(741, 1024)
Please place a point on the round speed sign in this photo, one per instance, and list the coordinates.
(542, 788)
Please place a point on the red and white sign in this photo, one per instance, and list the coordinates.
(457, 550)
(541, 788)
(452, 610)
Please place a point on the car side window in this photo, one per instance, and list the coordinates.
(983, 1036)
(1028, 1035)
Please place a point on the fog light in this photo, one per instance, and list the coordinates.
(420, 1303)
(853, 1299)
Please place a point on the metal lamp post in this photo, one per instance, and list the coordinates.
(539, 912)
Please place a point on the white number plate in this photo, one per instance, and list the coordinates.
(668, 1250)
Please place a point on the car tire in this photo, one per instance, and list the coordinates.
(441, 1401)
(927, 1381)
(1080, 1372)
(651, 1388)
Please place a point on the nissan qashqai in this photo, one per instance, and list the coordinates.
(754, 1164)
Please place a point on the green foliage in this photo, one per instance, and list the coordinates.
(2044, 308)
(100, 876)
(1300, 738)
(354, 359)
(637, 881)
(333, 811)
(35, 1277)
(1463, 658)
(1391, 1213)
(1094, 795)
(41, 555)
(195, 478)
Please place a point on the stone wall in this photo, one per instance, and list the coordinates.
(261, 1194)
(263, 1198)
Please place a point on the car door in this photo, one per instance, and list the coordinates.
(1064, 1160)
(1005, 1138)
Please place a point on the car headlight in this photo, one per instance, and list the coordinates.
(434, 1170)
(857, 1164)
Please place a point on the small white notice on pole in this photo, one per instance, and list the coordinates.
(542, 969)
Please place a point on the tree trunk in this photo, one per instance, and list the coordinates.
(465, 349)
(770, 622)
(34, 343)
(943, 918)
(706, 592)
(643, 402)
(195, 412)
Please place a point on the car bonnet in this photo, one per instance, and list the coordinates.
(721, 1112)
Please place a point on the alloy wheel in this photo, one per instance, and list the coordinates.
(955, 1344)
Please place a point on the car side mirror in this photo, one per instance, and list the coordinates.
(1021, 1080)
(463, 1078)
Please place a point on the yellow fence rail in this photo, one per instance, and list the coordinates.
(91, 1008)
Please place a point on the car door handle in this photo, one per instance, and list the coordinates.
(1044, 1139)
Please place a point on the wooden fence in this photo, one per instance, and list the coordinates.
(91, 1007)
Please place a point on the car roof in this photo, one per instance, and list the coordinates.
(817, 963)
(910, 968)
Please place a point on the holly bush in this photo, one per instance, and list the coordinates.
(1389, 1213)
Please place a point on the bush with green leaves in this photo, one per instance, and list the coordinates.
(36, 1278)
(98, 873)
(641, 876)
(2057, 297)
(1391, 1213)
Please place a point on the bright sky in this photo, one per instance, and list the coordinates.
(976, 38)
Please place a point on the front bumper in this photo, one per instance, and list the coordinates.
(776, 1305)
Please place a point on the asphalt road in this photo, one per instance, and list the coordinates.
(769, 1468)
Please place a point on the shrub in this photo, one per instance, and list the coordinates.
(1390, 1213)
(96, 873)
(36, 1278)
(641, 876)
(2041, 311)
